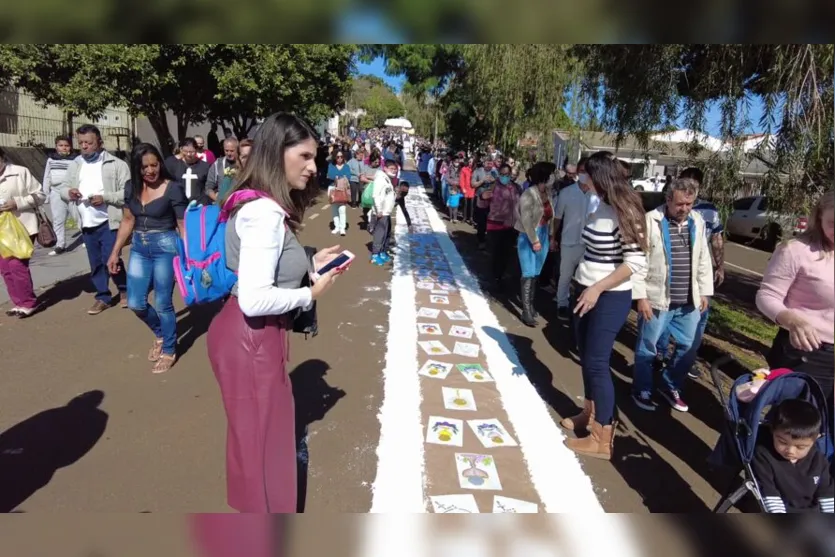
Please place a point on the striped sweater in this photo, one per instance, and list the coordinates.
(55, 173)
(605, 250)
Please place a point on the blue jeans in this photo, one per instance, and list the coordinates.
(151, 266)
(596, 332)
(530, 261)
(680, 322)
(99, 242)
(663, 345)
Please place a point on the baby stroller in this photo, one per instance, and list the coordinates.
(735, 448)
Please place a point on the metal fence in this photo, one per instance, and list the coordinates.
(26, 123)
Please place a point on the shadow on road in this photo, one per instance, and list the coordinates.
(194, 323)
(31, 451)
(314, 398)
(65, 290)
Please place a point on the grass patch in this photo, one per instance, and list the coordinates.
(725, 319)
(744, 335)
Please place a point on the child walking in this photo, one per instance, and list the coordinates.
(453, 201)
(384, 203)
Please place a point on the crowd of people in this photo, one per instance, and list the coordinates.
(611, 255)
(607, 255)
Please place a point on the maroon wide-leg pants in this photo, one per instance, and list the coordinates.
(249, 359)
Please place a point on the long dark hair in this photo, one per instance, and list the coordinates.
(136, 180)
(264, 170)
(611, 184)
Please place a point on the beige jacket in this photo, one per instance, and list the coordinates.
(17, 183)
(115, 173)
(653, 283)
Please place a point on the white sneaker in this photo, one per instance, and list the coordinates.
(341, 232)
(334, 231)
(25, 312)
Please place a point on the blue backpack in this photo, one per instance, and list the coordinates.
(200, 266)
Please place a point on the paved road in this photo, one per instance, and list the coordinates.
(745, 259)
(47, 270)
(156, 443)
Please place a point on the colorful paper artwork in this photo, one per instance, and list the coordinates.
(491, 433)
(458, 399)
(447, 287)
(428, 313)
(456, 315)
(477, 471)
(466, 349)
(508, 505)
(429, 329)
(461, 332)
(475, 373)
(435, 370)
(426, 285)
(435, 299)
(454, 504)
(445, 431)
(434, 348)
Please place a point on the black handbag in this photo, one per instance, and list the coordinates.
(307, 321)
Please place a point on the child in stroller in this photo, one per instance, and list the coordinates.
(793, 474)
(739, 443)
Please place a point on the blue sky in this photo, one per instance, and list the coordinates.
(377, 68)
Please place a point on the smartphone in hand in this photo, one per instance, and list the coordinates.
(341, 261)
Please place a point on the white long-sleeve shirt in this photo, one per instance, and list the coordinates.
(260, 227)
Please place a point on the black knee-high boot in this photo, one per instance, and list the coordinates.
(526, 297)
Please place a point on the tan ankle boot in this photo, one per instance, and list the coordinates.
(598, 444)
(581, 421)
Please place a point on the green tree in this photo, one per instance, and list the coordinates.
(238, 84)
(424, 112)
(376, 98)
(148, 80)
(509, 89)
(640, 88)
(255, 80)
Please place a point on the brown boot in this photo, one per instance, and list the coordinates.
(581, 421)
(598, 444)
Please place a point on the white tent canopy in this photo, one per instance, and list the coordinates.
(398, 123)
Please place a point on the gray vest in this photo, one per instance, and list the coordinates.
(292, 265)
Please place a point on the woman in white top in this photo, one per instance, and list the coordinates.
(20, 194)
(615, 250)
(248, 340)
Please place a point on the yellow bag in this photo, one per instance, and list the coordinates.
(14, 239)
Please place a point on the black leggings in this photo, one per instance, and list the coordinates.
(480, 217)
(469, 205)
(401, 202)
(503, 244)
(356, 193)
(816, 364)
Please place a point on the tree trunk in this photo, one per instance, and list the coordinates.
(242, 125)
(182, 126)
(159, 123)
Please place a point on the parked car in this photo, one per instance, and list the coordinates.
(751, 220)
(649, 184)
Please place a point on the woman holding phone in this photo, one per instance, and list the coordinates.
(248, 340)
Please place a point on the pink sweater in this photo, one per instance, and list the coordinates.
(800, 278)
